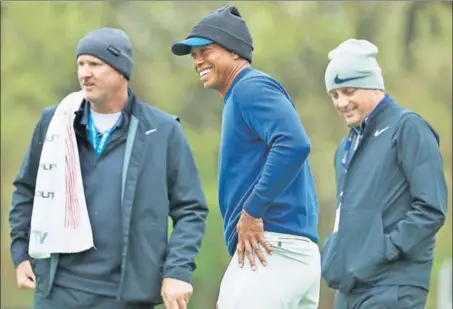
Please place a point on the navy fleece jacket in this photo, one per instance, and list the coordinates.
(263, 160)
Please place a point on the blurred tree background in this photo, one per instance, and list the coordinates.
(291, 39)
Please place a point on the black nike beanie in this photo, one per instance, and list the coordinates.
(225, 27)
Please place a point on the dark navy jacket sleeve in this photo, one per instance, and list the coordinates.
(188, 209)
(22, 199)
(269, 112)
(419, 156)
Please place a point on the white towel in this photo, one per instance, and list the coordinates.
(60, 222)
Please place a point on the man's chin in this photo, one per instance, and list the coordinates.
(87, 93)
(352, 122)
(90, 97)
(207, 85)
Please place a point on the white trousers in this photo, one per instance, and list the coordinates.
(291, 279)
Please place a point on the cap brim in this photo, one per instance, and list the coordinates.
(184, 47)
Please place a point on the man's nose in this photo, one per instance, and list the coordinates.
(84, 72)
(197, 61)
(342, 102)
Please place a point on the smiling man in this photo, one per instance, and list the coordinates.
(132, 169)
(267, 195)
(391, 191)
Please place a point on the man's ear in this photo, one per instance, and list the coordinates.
(378, 92)
(235, 56)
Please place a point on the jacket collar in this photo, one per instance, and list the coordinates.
(83, 111)
(374, 117)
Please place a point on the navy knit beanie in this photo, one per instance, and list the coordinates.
(224, 27)
(111, 46)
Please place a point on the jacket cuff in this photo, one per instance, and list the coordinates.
(19, 253)
(391, 251)
(178, 274)
(254, 206)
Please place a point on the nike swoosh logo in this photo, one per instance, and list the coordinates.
(339, 80)
(379, 132)
(150, 131)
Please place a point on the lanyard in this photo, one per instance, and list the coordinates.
(98, 144)
(348, 144)
(347, 147)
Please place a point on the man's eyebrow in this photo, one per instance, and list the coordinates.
(206, 47)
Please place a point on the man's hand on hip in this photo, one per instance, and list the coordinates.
(176, 293)
(24, 276)
(250, 236)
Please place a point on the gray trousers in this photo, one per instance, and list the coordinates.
(64, 298)
(383, 297)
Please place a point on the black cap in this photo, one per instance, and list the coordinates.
(224, 27)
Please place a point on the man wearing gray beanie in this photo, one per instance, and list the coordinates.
(137, 170)
(391, 190)
(267, 195)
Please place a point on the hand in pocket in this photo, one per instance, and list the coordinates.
(24, 276)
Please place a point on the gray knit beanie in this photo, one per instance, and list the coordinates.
(111, 46)
(353, 64)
